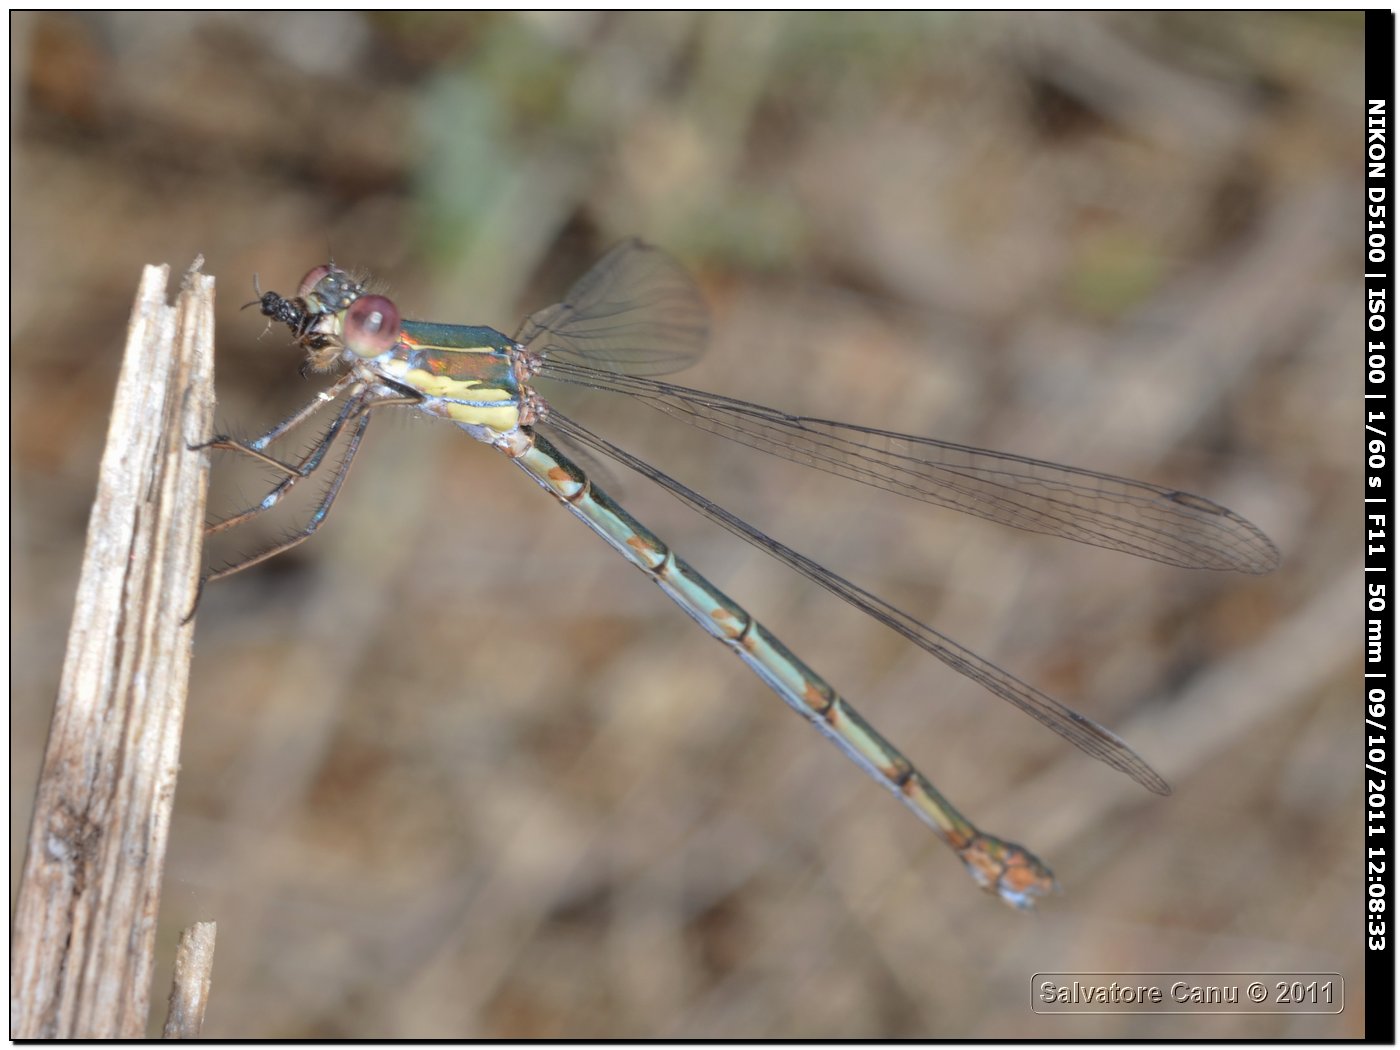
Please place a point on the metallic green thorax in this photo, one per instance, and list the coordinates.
(469, 338)
(466, 372)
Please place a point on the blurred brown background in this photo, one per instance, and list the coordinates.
(452, 769)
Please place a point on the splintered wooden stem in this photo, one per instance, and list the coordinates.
(189, 988)
(85, 916)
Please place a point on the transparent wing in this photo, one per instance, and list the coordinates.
(1150, 521)
(1082, 732)
(636, 312)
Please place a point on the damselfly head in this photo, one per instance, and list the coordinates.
(370, 326)
(328, 289)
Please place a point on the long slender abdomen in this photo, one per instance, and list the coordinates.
(1004, 868)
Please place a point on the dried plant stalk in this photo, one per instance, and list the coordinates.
(85, 917)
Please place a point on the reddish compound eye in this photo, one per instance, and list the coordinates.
(371, 325)
(312, 279)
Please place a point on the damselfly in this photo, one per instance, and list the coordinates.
(636, 314)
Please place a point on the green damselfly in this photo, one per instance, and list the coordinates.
(635, 315)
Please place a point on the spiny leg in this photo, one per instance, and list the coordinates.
(357, 407)
(298, 417)
(294, 472)
(317, 517)
(304, 469)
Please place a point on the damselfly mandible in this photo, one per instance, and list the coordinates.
(637, 314)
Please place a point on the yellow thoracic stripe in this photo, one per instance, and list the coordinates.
(468, 400)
